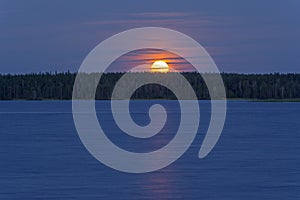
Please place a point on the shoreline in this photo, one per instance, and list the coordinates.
(228, 99)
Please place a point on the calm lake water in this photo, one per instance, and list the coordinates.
(257, 156)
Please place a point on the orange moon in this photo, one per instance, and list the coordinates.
(160, 66)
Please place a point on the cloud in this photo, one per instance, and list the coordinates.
(163, 14)
(180, 19)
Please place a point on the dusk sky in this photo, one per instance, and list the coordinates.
(241, 36)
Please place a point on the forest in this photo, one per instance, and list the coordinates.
(59, 86)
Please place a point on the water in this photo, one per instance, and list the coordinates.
(257, 156)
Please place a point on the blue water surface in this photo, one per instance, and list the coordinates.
(257, 156)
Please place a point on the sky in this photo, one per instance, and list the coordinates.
(258, 36)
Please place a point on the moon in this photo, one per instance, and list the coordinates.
(160, 66)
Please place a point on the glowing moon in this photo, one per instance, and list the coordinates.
(160, 66)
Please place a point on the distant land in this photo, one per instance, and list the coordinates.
(59, 86)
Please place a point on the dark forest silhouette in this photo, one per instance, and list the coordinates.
(60, 86)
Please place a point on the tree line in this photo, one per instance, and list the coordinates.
(60, 86)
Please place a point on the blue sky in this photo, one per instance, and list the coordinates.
(241, 36)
